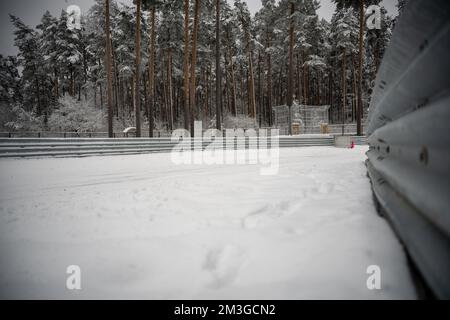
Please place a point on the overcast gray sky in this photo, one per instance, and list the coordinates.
(31, 12)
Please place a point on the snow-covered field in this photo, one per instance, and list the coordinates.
(141, 227)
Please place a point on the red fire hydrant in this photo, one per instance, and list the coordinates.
(352, 146)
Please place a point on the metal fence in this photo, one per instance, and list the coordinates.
(54, 134)
(409, 138)
(332, 129)
(116, 135)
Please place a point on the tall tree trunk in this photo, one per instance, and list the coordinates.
(225, 89)
(211, 96)
(170, 88)
(307, 85)
(305, 94)
(38, 94)
(207, 84)
(299, 81)
(108, 72)
(145, 81)
(280, 87)
(116, 80)
(56, 84)
(319, 81)
(72, 84)
(137, 96)
(187, 115)
(330, 89)
(269, 83)
(251, 94)
(132, 109)
(241, 90)
(122, 98)
(344, 89)
(218, 70)
(85, 72)
(233, 87)
(354, 101)
(290, 95)
(269, 89)
(164, 105)
(251, 80)
(192, 90)
(247, 93)
(101, 99)
(260, 93)
(151, 73)
(361, 62)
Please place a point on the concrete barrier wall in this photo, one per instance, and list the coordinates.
(31, 147)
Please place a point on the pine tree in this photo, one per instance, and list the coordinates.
(266, 20)
(26, 40)
(187, 109)
(244, 18)
(358, 4)
(108, 64)
(344, 32)
(151, 6)
(137, 74)
(9, 80)
(218, 70)
(193, 87)
(203, 58)
(290, 97)
(48, 43)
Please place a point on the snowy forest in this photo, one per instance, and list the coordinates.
(160, 65)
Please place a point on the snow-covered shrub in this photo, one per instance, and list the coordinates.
(72, 115)
(240, 121)
(16, 118)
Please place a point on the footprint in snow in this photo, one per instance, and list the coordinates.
(268, 213)
(223, 264)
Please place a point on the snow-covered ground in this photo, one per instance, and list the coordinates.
(141, 227)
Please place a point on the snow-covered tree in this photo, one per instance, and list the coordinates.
(9, 80)
(73, 115)
(33, 72)
(275, 57)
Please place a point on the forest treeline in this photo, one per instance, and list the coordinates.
(161, 64)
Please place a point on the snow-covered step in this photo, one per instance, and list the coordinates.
(31, 147)
(80, 153)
